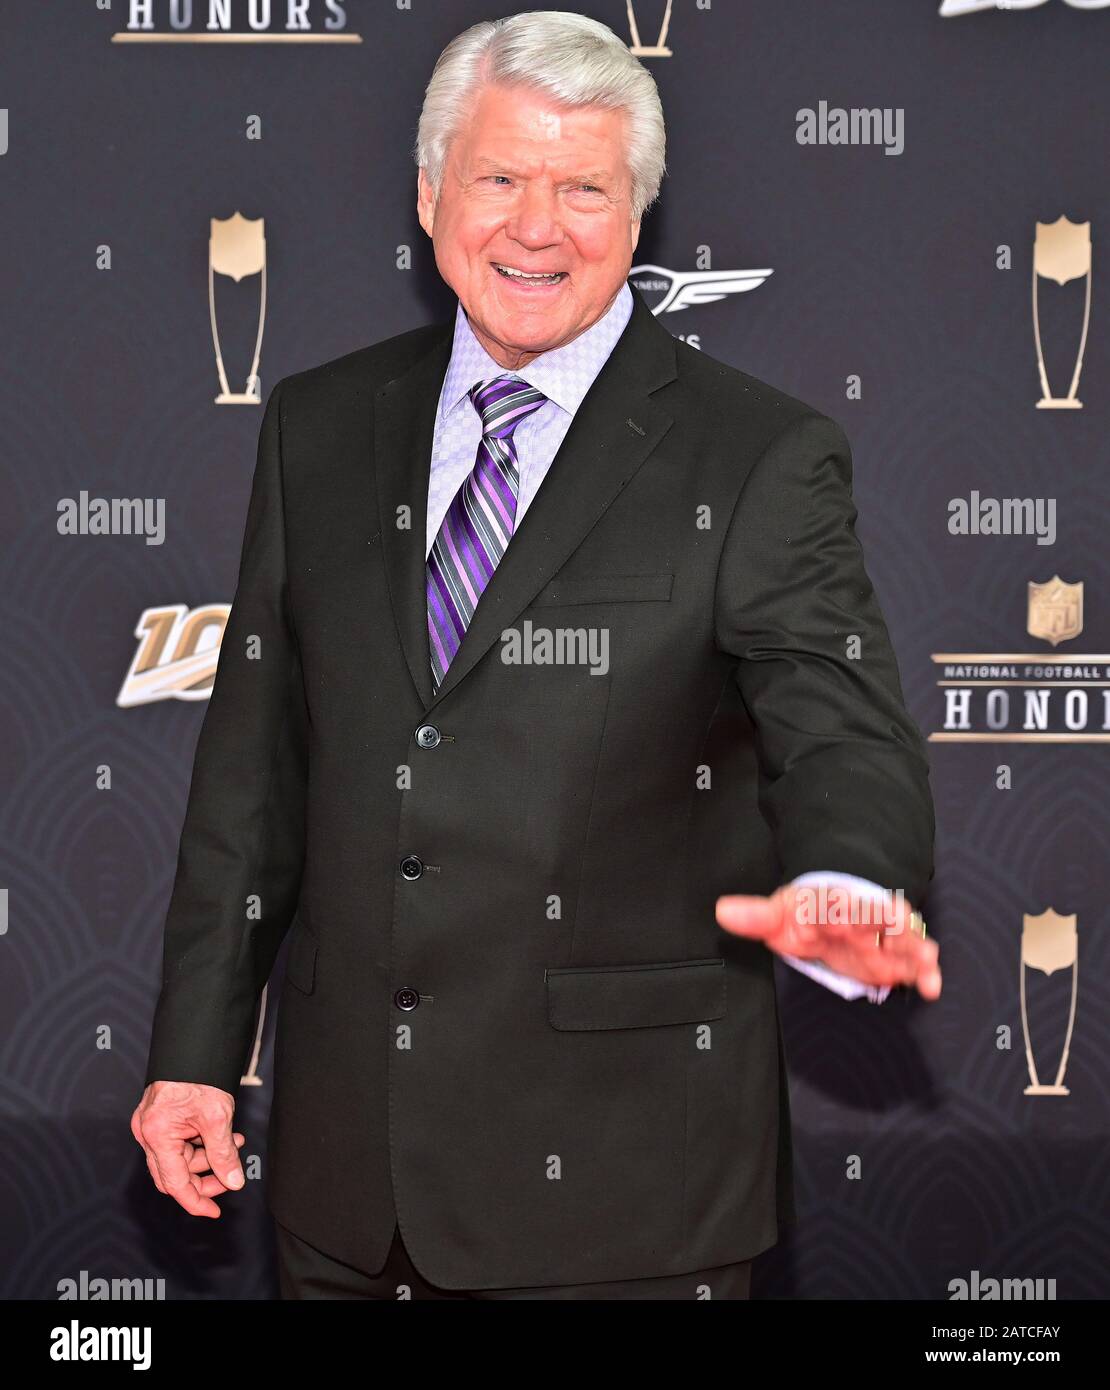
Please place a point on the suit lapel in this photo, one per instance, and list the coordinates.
(404, 428)
(614, 430)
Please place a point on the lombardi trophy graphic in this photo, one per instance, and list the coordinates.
(236, 248)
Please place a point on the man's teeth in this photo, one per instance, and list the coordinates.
(524, 275)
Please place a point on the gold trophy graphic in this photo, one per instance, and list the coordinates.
(659, 49)
(1049, 943)
(1061, 252)
(1055, 612)
(237, 247)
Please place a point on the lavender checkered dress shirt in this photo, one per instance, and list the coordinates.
(564, 375)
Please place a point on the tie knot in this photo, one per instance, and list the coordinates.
(503, 403)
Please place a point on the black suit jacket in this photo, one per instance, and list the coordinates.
(591, 1085)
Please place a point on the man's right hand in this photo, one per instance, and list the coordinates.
(185, 1131)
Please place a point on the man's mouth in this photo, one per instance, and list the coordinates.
(527, 277)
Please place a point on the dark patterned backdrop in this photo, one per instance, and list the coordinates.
(899, 303)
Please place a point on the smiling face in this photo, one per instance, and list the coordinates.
(532, 186)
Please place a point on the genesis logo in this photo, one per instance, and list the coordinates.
(952, 9)
(679, 289)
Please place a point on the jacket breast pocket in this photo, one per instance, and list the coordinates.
(586, 998)
(300, 963)
(606, 588)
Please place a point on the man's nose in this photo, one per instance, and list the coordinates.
(536, 221)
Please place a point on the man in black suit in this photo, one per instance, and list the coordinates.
(550, 634)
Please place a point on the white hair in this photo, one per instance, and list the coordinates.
(575, 60)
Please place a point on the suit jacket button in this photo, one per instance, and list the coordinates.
(406, 999)
(428, 736)
(411, 867)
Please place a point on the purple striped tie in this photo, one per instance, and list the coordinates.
(479, 521)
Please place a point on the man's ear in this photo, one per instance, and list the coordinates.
(425, 201)
(635, 234)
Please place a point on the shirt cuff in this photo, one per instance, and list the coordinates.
(845, 985)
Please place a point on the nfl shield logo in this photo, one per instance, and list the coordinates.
(1055, 610)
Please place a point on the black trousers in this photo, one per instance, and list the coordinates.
(306, 1272)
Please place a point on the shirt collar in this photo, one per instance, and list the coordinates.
(564, 374)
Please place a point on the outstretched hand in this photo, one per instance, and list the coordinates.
(874, 941)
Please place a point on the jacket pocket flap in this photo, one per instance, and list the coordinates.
(635, 996)
(606, 588)
(300, 964)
